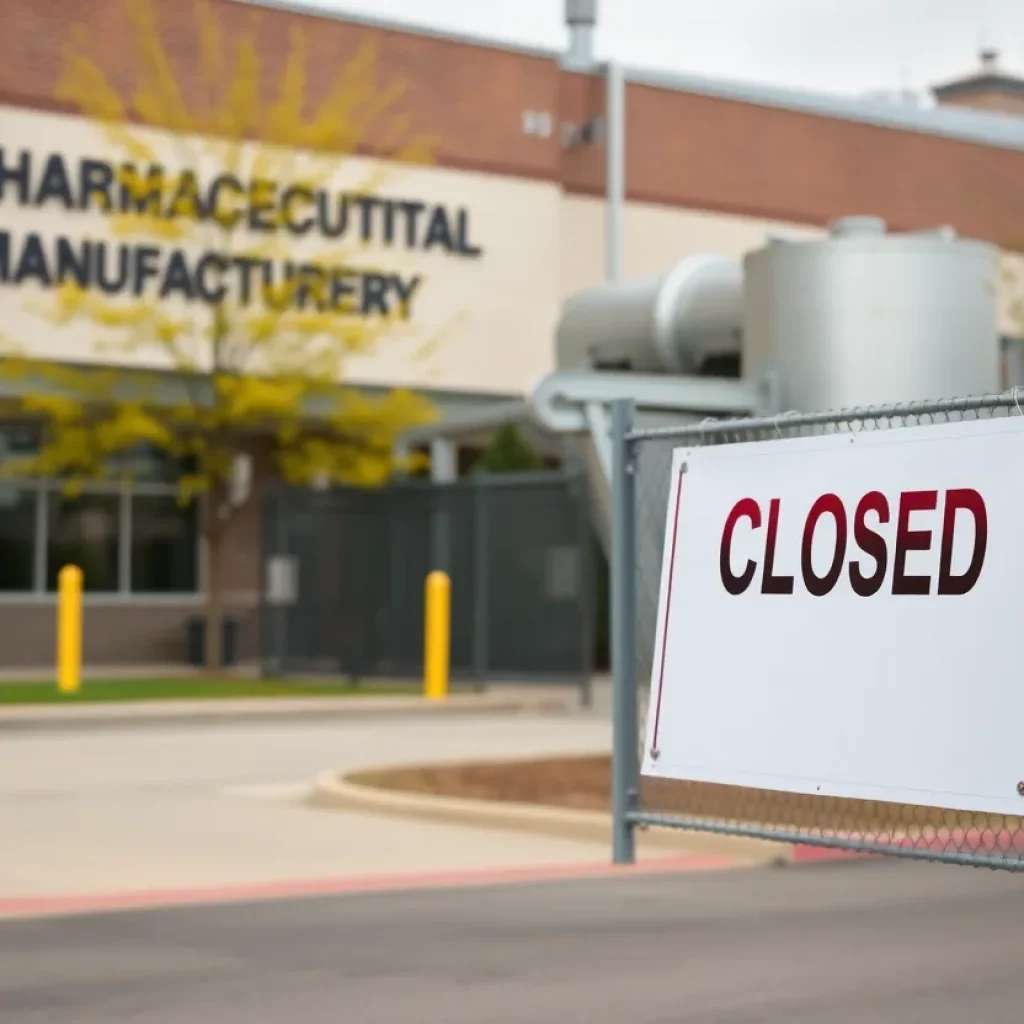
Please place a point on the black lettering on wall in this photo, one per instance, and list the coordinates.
(54, 183)
(32, 262)
(289, 197)
(389, 222)
(343, 290)
(186, 202)
(439, 231)
(73, 265)
(375, 289)
(115, 268)
(177, 278)
(211, 293)
(95, 179)
(109, 279)
(276, 295)
(339, 225)
(246, 265)
(312, 287)
(138, 194)
(464, 245)
(366, 204)
(262, 200)
(147, 265)
(405, 290)
(227, 215)
(16, 174)
(412, 211)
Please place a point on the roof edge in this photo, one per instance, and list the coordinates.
(314, 10)
(982, 127)
(976, 83)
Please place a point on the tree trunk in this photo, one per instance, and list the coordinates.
(214, 653)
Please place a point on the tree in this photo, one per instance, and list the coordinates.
(508, 452)
(255, 341)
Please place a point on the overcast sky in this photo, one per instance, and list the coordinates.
(850, 46)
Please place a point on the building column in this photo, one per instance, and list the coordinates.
(444, 463)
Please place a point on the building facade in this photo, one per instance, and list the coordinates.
(483, 244)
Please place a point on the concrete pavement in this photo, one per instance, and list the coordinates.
(831, 944)
(163, 807)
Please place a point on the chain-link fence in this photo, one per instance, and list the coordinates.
(642, 457)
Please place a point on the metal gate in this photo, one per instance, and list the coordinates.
(517, 548)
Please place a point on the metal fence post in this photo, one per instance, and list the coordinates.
(585, 582)
(625, 752)
(481, 581)
(281, 547)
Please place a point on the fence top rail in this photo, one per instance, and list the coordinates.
(405, 486)
(854, 418)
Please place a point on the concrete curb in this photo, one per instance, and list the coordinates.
(272, 709)
(334, 791)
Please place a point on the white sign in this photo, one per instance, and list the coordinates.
(842, 616)
(282, 580)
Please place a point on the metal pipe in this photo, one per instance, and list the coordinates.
(615, 174)
(581, 18)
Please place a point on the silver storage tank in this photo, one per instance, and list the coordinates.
(664, 324)
(864, 317)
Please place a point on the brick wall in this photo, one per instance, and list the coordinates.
(142, 633)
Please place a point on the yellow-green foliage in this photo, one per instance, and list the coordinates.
(1012, 281)
(272, 368)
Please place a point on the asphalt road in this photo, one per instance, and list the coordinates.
(828, 944)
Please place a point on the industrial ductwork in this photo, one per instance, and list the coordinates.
(674, 323)
(581, 18)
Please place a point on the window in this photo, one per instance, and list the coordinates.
(146, 464)
(19, 439)
(165, 545)
(17, 538)
(84, 531)
(131, 537)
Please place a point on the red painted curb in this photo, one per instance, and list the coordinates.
(41, 906)
(816, 854)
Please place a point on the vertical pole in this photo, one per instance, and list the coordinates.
(42, 539)
(281, 509)
(69, 629)
(443, 470)
(399, 562)
(615, 173)
(481, 581)
(580, 494)
(625, 745)
(437, 636)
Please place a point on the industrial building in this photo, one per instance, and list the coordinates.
(514, 222)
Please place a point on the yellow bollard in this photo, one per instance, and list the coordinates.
(69, 629)
(438, 631)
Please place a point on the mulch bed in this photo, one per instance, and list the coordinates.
(584, 783)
